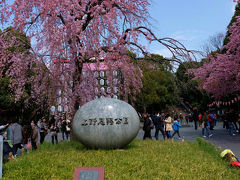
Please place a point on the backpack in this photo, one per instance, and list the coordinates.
(210, 118)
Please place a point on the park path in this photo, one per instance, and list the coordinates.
(220, 137)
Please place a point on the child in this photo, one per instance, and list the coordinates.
(176, 126)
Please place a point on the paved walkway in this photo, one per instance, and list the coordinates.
(220, 137)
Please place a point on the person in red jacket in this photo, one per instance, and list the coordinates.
(199, 118)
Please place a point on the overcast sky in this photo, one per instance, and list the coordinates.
(191, 22)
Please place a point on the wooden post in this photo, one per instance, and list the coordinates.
(183, 139)
(22, 151)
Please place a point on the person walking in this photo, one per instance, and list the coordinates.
(43, 130)
(68, 124)
(211, 120)
(161, 127)
(238, 119)
(225, 121)
(176, 126)
(205, 123)
(230, 119)
(147, 127)
(27, 134)
(64, 129)
(187, 118)
(195, 117)
(199, 118)
(158, 123)
(181, 118)
(168, 126)
(235, 119)
(16, 137)
(34, 137)
(54, 130)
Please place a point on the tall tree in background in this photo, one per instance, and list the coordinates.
(221, 75)
(159, 90)
(19, 70)
(83, 29)
(188, 89)
(214, 43)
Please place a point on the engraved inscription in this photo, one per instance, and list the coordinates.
(101, 121)
(93, 121)
(109, 121)
(105, 121)
(118, 120)
(125, 120)
(84, 123)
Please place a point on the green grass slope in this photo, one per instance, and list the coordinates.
(139, 160)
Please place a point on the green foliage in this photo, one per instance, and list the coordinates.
(7, 101)
(21, 45)
(208, 148)
(159, 62)
(5, 97)
(22, 40)
(139, 160)
(236, 13)
(188, 88)
(159, 88)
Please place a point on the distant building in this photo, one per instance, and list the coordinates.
(108, 78)
(60, 101)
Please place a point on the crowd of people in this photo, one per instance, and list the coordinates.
(230, 121)
(163, 123)
(25, 137)
(169, 125)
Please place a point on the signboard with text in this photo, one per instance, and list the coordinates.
(89, 173)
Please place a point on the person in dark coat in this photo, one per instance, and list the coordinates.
(27, 134)
(225, 122)
(195, 118)
(147, 127)
(64, 129)
(158, 123)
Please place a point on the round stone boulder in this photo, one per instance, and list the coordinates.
(106, 123)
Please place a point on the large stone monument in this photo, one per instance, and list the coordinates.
(106, 123)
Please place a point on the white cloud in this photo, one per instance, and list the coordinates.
(164, 52)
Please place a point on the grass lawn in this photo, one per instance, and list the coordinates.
(140, 160)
